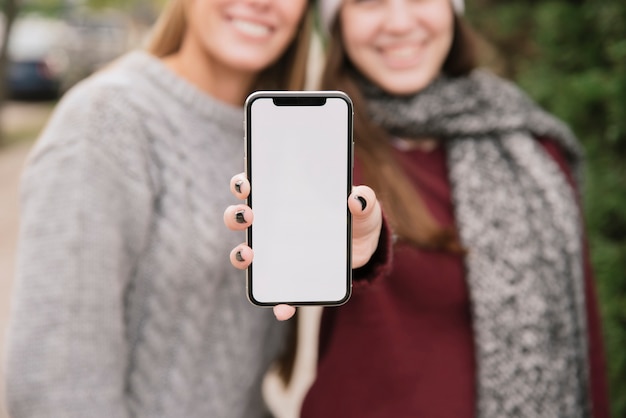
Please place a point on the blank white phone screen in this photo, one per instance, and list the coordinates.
(299, 164)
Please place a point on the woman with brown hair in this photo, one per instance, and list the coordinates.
(124, 304)
(479, 300)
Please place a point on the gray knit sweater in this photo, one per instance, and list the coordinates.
(125, 302)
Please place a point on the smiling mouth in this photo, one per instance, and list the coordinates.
(401, 56)
(402, 52)
(252, 29)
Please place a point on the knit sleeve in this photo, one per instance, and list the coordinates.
(86, 205)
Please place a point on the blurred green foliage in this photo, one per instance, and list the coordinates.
(44, 7)
(570, 56)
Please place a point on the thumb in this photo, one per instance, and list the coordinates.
(366, 224)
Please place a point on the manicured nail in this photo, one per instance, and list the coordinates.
(239, 217)
(362, 200)
(239, 257)
(238, 186)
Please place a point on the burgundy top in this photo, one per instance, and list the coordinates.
(403, 346)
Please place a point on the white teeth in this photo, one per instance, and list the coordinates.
(251, 28)
(404, 52)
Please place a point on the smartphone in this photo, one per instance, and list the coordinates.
(299, 160)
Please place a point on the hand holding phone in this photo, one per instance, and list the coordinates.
(366, 228)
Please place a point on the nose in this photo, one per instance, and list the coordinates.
(398, 16)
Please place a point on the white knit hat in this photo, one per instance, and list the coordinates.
(329, 9)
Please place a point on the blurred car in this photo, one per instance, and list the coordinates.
(33, 79)
(39, 58)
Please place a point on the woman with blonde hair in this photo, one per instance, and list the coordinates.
(124, 302)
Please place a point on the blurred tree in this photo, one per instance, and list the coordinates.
(9, 10)
(571, 57)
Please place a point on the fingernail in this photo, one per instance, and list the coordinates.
(239, 217)
(238, 186)
(239, 257)
(362, 200)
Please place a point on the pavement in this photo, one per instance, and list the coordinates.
(26, 119)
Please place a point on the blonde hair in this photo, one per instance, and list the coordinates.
(287, 73)
(169, 30)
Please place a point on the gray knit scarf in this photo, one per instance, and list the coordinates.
(519, 219)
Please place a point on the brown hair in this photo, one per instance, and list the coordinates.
(288, 73)
(409, 217)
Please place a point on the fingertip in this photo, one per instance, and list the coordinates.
(361, 200)
(238, 217)
(284, 312)
(364, 191)
(241, 256)
(239, 186)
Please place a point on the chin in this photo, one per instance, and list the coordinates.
(402, 83)
(250, 64)
(403, 89)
